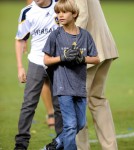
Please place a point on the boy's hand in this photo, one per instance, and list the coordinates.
(80, 58)
(69, 55)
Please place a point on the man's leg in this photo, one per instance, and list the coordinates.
(35, 81)
(82, 139)
(99, 106)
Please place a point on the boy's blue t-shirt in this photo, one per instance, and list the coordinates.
(69, 79)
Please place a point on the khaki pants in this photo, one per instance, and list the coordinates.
(100, 109)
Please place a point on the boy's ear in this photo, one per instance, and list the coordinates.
(75, 15)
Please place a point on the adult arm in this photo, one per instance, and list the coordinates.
(82, 20)
(20, 46)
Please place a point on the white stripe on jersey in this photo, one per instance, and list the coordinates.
(23, 12)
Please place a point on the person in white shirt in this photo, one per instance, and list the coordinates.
(46, 98)
(37, 20)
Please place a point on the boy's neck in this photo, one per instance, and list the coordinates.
(71, 29)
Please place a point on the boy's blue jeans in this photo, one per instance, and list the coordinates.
(73, 111)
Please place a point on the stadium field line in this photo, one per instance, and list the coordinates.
(120, 136)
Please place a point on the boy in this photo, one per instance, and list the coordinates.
(37, 20)
(69, 48)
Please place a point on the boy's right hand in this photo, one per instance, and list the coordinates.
(21, 75)
(69, 55)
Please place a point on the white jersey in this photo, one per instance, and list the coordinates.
(39, 23)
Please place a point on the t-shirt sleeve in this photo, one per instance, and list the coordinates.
(92, 51)
(23, 27)
(50, 44)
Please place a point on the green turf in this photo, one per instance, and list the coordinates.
(120, 83)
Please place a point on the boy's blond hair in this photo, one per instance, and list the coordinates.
(67, 6)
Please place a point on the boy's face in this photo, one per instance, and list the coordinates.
(66, 18)
(42, 3)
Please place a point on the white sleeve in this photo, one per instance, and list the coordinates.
(23, 26)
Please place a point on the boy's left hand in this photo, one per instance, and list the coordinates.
(80, 58)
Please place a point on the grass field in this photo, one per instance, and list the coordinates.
(120, 83)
